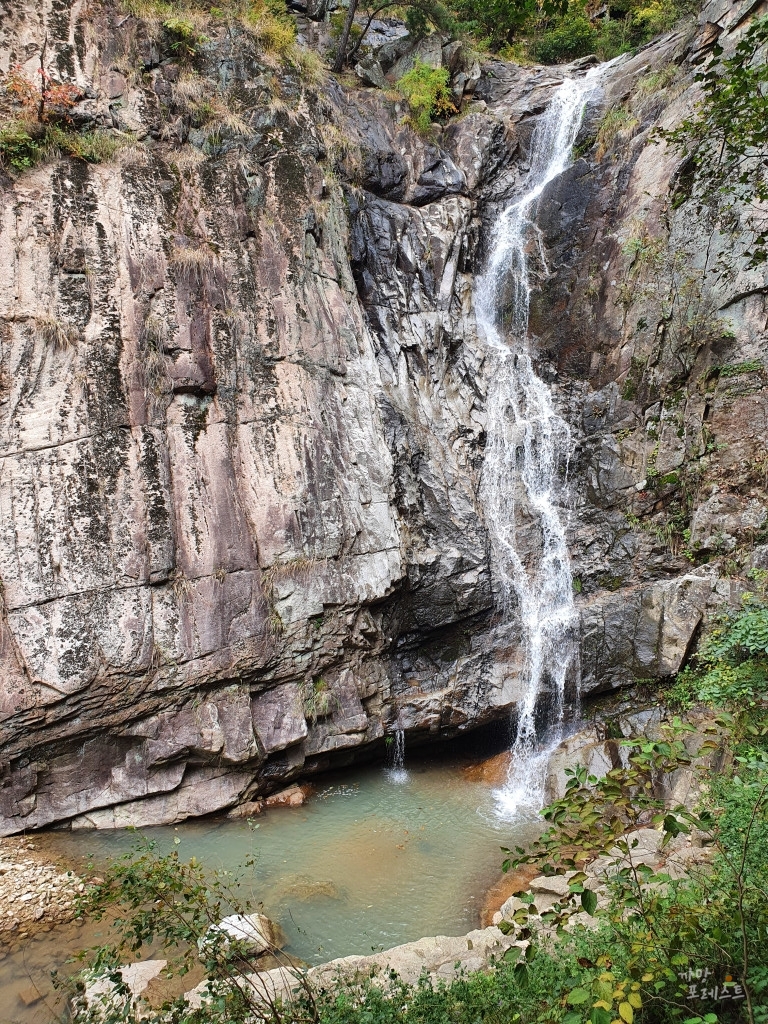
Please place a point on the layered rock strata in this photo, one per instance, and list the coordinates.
(242, 416)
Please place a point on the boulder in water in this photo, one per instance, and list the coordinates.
(292, 796)
(257, 930)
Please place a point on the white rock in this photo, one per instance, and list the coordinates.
(101, 997)
(255, 929)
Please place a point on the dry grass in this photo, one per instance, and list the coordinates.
(197, 97)
(193, 263)
(617, 123)
(59, 335)
(221, 114)
(341, 149)
(180, 586)
(157, 381)
(132, 154)
(310, 65)
(187, 158)
(190, 90)
(274, 35)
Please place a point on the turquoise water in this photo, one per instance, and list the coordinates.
(373, 859)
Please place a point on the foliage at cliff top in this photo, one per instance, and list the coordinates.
(186, 23)
(550, 32)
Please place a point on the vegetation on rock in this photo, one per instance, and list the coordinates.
(727, 137)
(551, 32)
(428, 95)
(38, 124)
(731, 664)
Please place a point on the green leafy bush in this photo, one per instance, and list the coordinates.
(731, 664)
(564, 35)
(428, 95)
(571, 37)
(20, 149)
(185, 39)
(660, 933)
(497, 21)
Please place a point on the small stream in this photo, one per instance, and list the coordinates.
(375, 858)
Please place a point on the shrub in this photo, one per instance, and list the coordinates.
(185, 39)
(44, 100)
(570, 38)
(730, 667)
(660, 934)
(43, 129)
(23, 145)
(271, 26)
(556, 37)
(19, 148)
(429, 98)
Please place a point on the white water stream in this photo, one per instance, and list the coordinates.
(523, 485)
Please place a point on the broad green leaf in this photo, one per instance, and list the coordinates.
(589, 901)
(599, 1016)
(578, 996)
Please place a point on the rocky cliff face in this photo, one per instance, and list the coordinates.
(242, 415)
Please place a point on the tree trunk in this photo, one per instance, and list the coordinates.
(342, 51)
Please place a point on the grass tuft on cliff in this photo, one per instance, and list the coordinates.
(188, 24)
(24, 144)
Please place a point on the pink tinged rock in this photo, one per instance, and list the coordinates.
(292, 796)
(278, 718)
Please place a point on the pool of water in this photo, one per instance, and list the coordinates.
(374, 858)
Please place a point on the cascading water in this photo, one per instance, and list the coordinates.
(396, 769)
(526, 457)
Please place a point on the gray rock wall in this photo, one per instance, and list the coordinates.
(242, 425)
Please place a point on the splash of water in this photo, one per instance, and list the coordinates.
(526, 462)
(396, 770)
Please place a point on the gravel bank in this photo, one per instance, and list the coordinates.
(34, 892)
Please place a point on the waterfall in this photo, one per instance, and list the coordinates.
(527, 449)
(396, 769)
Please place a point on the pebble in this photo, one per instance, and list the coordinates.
(29, 995)
(34, 893)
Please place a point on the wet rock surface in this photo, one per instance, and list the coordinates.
(240, 531)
